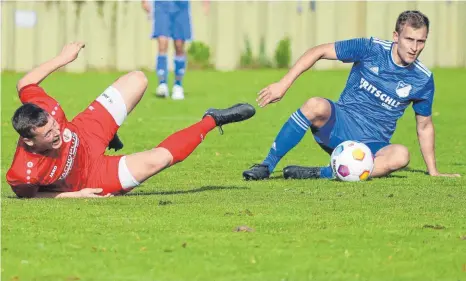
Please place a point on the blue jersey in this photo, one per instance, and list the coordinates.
(378, 91)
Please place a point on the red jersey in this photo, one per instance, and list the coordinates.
(64, 169)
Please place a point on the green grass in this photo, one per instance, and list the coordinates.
(179, 224)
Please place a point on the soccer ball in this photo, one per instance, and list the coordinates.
(352, 161)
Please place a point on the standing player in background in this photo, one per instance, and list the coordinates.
(58, 158)
(171, 20)
(385, 79)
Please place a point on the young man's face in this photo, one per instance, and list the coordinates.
(410, 42)
(48, 136)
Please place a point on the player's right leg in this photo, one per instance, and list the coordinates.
(180, 68)
(162, 32)
(99, 123)
(389, 159)
(315, 112)
(130, 87)
(138, 167)
(181, 20)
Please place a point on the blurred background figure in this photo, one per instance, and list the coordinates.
(171, 20)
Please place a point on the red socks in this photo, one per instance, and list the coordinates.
(182, 143)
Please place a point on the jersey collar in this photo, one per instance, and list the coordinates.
(393, 61)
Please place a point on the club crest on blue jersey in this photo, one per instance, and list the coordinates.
(403, 89)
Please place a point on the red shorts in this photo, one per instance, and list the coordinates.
(97, 127)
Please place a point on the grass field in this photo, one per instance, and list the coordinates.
(180, 224)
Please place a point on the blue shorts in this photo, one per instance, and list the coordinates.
(172, 19)
(339, 128)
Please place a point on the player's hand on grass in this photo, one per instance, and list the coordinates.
(93, 193)
(70, 51)
(272, 93)
(437, 174)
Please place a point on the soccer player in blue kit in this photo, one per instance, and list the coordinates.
(171, 19)
(385, 79)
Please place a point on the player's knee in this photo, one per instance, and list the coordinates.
(140, 77)
(179, 47)
(316, 108)
(139, 80)
(161, 160)
(401, 158)
(162, 42)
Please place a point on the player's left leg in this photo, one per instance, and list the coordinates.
(389, 159)
(180, 69)
(316, 112)
(338, 128)
(181, 21)
(136, 168)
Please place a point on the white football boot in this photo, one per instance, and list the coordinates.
(162, 91)
(177, 92)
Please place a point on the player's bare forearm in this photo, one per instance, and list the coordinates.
(36, 75)
(308, 59)
(68, 54)
(275, 92)
(426, 137)
(75, 194)
(83, 193)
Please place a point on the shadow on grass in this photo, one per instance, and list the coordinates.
(280, 177)
(196, 190)
(395, 177)
(144, 193)
(407, 169)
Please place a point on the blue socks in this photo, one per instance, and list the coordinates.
(288, 137)
(326, 172)
(180, 66)
(162, 68)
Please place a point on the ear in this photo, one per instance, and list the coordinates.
(395, 37)
(28, 141)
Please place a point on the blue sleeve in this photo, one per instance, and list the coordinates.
(423, 104)
(352, 50)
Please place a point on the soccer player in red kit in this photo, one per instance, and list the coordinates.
(58, 158)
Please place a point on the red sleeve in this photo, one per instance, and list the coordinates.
(32, 93)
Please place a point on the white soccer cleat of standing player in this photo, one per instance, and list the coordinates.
(178, 92)
(162, 91)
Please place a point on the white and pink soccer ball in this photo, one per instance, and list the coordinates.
(352, 161)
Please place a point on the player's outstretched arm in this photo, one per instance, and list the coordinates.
(68, 54)
(83, 193)
(274, 92)
(426, 136)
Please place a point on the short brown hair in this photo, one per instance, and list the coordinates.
(27, 118)
(415, 19)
